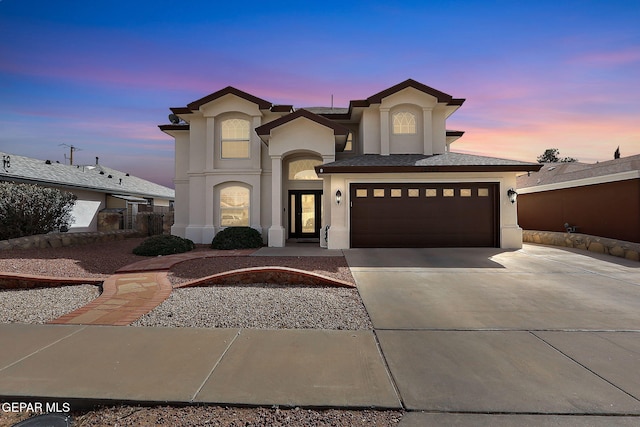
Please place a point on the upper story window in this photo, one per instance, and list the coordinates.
(235, 139)
(404, 122)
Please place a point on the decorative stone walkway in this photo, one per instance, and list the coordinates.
(124, 299)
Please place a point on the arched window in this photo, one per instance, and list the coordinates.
(234, 206)
(303, 169)
(404, 122)
(235, 139)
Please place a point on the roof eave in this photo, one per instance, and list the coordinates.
(37, 181)
(321, 169)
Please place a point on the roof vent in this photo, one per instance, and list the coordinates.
(120, 181)
(127, 175)
(47, 162)
(101, 172)
(109, 176)
(551, 168)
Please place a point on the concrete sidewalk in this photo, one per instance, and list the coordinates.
(85, 364)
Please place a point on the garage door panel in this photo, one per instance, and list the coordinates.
(424, 215)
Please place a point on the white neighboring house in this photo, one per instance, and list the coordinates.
(376, 174)
(97, 188)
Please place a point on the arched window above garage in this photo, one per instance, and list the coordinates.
(404, 123)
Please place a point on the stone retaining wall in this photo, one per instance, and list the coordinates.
(58, 240)
(602, 245)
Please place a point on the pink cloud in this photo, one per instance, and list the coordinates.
(610, 58)
(588, 139)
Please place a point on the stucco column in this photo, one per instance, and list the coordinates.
(255, 143)
(439, 131)
(427, 125)
(276, 231)
(511, 233)
(210, 143)
(208, 231)
(384, 131)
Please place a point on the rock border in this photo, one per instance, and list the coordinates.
(601, 245)
(273, 275)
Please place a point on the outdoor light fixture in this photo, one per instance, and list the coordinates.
(338, 196)
(512, 194)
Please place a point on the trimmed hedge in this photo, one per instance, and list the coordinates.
(163, 244)
(237, 238)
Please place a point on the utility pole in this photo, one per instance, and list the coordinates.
(71, 150)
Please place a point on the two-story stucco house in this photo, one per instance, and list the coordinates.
(376, 174)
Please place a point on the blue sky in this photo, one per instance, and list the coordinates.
(102, 75)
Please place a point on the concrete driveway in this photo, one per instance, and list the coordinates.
(547, 332)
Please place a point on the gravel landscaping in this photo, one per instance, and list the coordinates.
(90, 260)
(261, 307)
(41, 305)
(130, 416)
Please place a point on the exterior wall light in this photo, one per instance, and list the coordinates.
(338, 197)
(512, 194)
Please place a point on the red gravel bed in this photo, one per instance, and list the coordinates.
(90, 260)
(101, 260)
(334, 267)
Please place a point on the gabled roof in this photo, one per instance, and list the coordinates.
(440, 96)
(90, 177)
(262, 104)
(337, 128)
(346, 114)
(574, 174)
(447, 162)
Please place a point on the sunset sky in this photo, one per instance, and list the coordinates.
(101, 75)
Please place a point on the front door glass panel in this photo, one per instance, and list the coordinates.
(305, 210)
(308, 202)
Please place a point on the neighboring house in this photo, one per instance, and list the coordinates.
(601, 199)
(97, 187)
(376, 174)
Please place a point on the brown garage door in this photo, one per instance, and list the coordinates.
(424, 215)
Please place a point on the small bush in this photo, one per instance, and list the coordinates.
(237, 238)
(27, 209)
(163, 244)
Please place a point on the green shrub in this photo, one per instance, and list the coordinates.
(237, 238)
(163, 244)
(27, 209)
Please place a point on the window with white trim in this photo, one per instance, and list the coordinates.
(235, 139)
(404, 123)
(234, 206)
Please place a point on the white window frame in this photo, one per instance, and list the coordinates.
(235, 135)
(222, 209)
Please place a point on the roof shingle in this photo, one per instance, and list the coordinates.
(92, 177)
